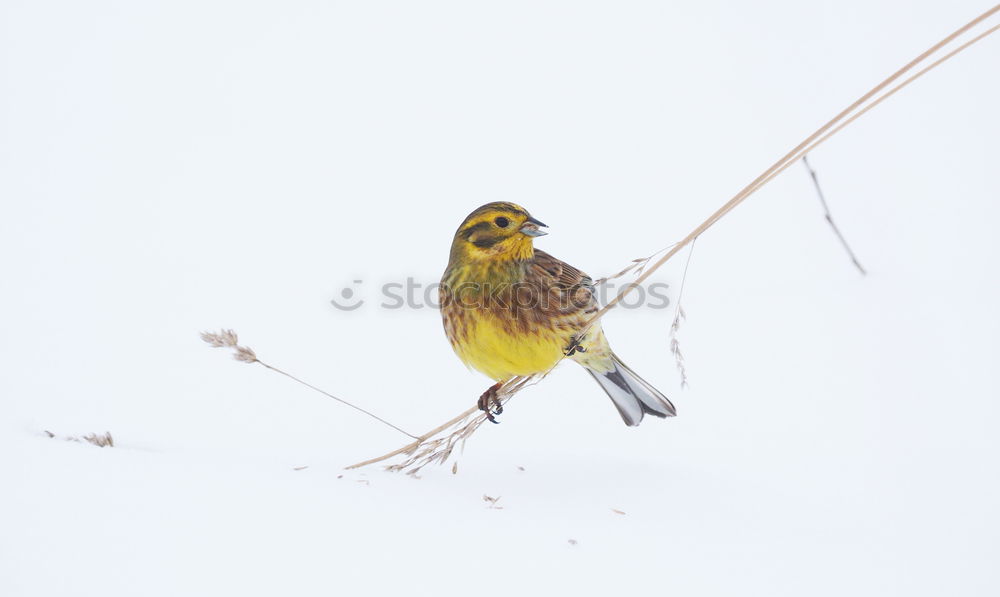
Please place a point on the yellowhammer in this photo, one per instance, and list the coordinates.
(511, 310)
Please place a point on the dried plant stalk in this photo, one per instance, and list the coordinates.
(437, 445)
(636, 265)
(245, 354)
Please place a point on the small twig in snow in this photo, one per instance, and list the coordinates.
(103, 440)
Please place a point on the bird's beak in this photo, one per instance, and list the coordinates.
(531, 227)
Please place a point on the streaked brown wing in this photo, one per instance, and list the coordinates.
(574, 288)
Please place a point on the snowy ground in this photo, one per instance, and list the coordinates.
(171, 167)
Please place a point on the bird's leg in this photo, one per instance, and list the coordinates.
(573, 347)
(494, 401)
(489, 402)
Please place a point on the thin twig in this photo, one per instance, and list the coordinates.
(245, 354)
(829, 217)
(342, 401)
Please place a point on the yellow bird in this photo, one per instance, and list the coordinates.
(511, 310)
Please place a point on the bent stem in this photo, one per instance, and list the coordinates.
(435, 446)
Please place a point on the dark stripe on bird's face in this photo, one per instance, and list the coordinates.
(487, 241)
(483, 242)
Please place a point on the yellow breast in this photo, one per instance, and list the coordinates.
(491, 347)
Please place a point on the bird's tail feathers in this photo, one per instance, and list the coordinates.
(633, 396)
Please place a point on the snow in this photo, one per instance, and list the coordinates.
(168, 168)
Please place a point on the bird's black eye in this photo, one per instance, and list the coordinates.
(502, 222)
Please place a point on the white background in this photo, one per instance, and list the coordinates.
(171, 167)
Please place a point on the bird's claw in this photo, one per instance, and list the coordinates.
(574, 347)
(490, 404)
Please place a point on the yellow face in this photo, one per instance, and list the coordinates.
(496, 231)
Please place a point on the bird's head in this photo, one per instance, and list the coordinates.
(496, 231)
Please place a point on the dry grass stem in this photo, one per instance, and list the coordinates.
(636, 266)
(437, 445)
(245, 354)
